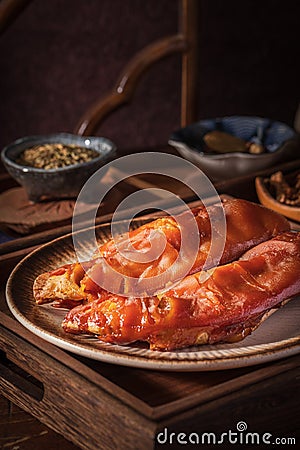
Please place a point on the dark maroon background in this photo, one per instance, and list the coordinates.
(59, 56)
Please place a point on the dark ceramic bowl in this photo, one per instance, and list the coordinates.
(64, 182)
(280, 141)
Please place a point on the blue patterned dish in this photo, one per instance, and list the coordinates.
(279, 140)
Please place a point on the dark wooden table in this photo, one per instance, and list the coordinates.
(95, 405)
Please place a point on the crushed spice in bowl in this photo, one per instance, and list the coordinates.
(281, 193)
(55, 155)
(56, 166)
(285, 191)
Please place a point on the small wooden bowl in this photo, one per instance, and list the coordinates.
(266, 199)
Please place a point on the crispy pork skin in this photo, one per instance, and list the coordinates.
(247, 224)
(226, 306)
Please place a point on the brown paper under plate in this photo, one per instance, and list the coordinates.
(21, 216)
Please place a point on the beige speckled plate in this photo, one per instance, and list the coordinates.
(277, 337)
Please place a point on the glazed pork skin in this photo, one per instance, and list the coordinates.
(247, 224)
(227, 306)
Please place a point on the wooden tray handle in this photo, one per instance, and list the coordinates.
(18, 379)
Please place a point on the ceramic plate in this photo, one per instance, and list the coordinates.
(277, 337)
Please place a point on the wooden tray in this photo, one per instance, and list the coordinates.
(101, 406)
(97, 405)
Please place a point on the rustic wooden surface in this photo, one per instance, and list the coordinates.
(21, 431)
(20, 215)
